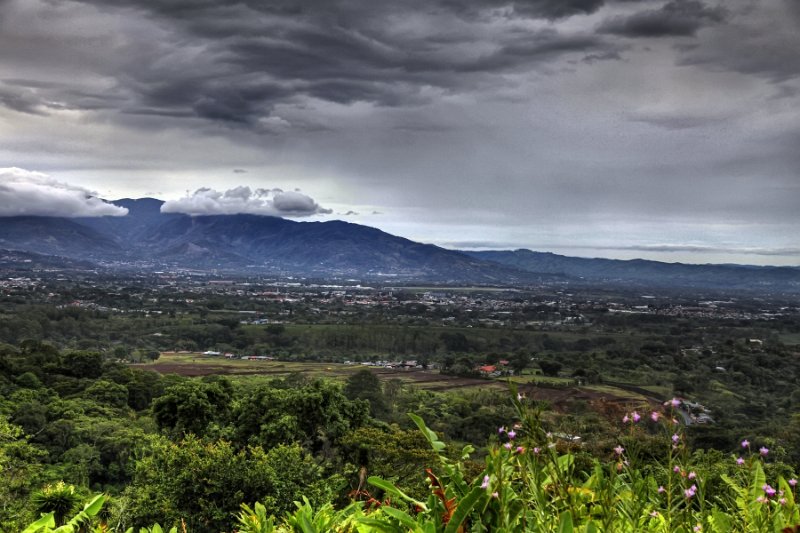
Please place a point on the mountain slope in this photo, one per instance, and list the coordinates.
(316, 248)
(263, 244)
(55, 236)
(646, 272)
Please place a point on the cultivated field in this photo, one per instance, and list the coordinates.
(552, 389)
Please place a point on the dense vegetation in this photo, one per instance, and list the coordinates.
(77, 420)
(530, 480)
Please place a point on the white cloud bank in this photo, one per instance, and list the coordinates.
(243, 200)
(24, 193)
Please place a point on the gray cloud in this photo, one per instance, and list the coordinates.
(23, 192)
(232, 62)
(675, 18)
(702, 249)
(244, 200)
(542, 120)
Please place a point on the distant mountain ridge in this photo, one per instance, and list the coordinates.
(645, 272)
(246, 243)
(148, 238)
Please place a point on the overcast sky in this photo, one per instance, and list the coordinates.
(616, 128)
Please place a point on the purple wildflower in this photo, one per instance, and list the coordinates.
(692, 475)
(635, 416)
(782, 501)
(768, 490)
(501, 430)
(739, 461)
(676, 469)
(763, 451)
(654, 416)
(507, 445)
(676, 438)
(661, 489)
(536, 450)
(520, 449)
(625, 419)
(792, 482)
(495, 495)
(745, 443)
(512, 434)
(619, 449)
(675, 402)
(485, 483)
(690, 492)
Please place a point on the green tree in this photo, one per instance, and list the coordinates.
(364, 385)
(190, 406)
(204, 483)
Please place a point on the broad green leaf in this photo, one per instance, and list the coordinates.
(394, 491)
(431, 436)
(45, 521)
(379, 525)
(400, 516)
(464, 508)
(565, 523)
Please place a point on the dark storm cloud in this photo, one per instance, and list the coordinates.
(544, 9)
(675, 18)
(233, 62)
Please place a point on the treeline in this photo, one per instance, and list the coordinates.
(167, 448)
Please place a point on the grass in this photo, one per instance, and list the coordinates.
(540, 380)
(790, 338)
(621, 393)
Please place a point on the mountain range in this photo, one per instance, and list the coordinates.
(148, 238)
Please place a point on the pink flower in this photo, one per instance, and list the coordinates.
(619, 449)
(495, 495)
(501, 430)
(692, 475)
(676, 469)
(768, 490)
(763, 451)
(654, 514)
(485, 483)
(520, 449)
(739, 461)
(507, 445)
(782, 501)
(536, 450)
(636, 417)
(697, 528)
(654, 416)
(792, 482)
(512, 434)
(675, 402)
(761, 499)
(690, 492)
(676, 438)
(625, 419)
(745, 443)
(661, 489)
